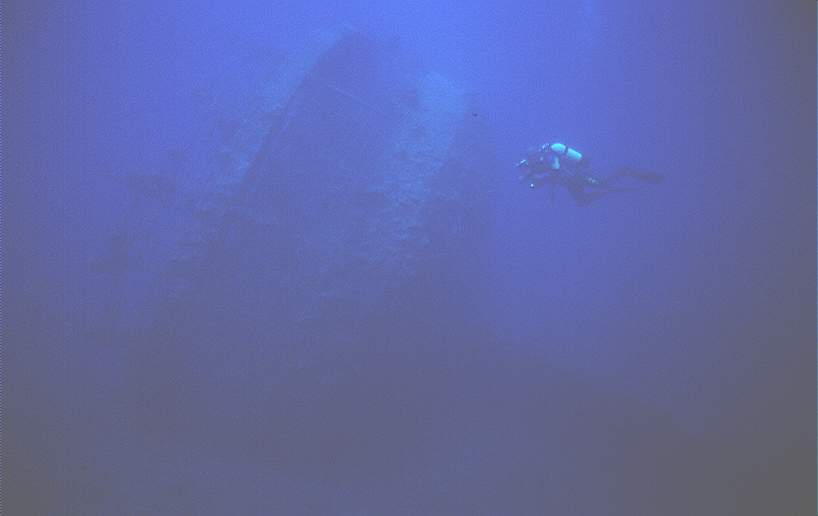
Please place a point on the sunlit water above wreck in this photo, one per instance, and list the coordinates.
(276, 259)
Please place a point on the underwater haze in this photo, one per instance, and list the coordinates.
(276, 258)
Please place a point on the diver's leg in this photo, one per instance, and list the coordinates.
(582, 174)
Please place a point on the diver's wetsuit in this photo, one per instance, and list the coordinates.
(559, 165)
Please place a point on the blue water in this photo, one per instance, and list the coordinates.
(368, 329)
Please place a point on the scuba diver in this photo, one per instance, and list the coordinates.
(557, 164)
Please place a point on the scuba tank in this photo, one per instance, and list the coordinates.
(557, 151)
